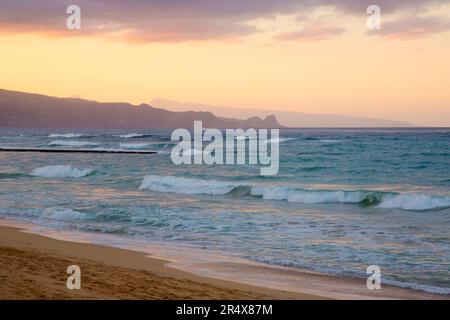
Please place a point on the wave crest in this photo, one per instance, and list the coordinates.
(134, 135)
(387, 200)
(170, 184)
(61, 171)
(66, 135)
(63, 214)
(134, 146)
(417, 202)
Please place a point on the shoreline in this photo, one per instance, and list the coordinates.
(117, 273)
(34, 267)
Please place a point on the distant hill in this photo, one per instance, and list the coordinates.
(25, 110)
(286, 118)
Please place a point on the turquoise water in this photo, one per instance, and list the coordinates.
(344, 199)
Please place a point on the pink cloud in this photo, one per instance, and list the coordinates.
(412, 27)
(178, 20)
(311, 33)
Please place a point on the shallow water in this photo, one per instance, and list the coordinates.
(343, 199)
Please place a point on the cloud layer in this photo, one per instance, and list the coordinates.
(189, 20)
(312, 33)
(407, 28)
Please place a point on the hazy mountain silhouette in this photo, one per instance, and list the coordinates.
(286, 118)
(25, 110)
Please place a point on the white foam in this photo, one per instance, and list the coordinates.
(66, 135)
(308, 196)
(60, 171)
(414, 202)
(278, 140)
(416, 286)
(170, 184)
(73, 143)
(63, 214)
(388, 200)
(131, 135)
(135, 145)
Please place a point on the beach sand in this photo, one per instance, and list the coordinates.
(33, 266)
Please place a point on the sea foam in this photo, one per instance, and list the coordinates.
(170, 184)
(66, 135)
(414, 202)
(61, 171)
(389, 200)
(278, 140)
(135, 145)
(63, 214)
(133, 135)
(311, 196)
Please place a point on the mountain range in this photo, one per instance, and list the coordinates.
(27, 110)
(286, 118)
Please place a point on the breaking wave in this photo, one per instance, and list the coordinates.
(135, 145)
(63, 214)
(134, 135)
(278, 140)
(389, 200)
(61, 171)
(67, 135)
(73, 143)
(415, 202)
(170, 184)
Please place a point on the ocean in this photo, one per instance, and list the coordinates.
(343, 199)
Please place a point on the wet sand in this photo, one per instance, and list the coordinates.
(34, 267)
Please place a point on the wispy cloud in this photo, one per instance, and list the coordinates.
(177, 20)
(311, 33)
(359, 7)
(412, 27)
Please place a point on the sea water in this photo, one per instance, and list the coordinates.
(343, 199)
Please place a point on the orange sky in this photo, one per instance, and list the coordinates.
(319, 61)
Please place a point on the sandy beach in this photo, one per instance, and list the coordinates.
(34, 267)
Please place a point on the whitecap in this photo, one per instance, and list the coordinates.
(417, 202)
(309, 196)
(66, 135)
(170, 184)
(61, 171)
(278, 140)
(131, 135)
(63, 214)
(329, 141)
(135, 145)
(377, 199)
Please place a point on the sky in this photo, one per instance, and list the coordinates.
(314, 56)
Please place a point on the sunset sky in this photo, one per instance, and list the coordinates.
(307, 56)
